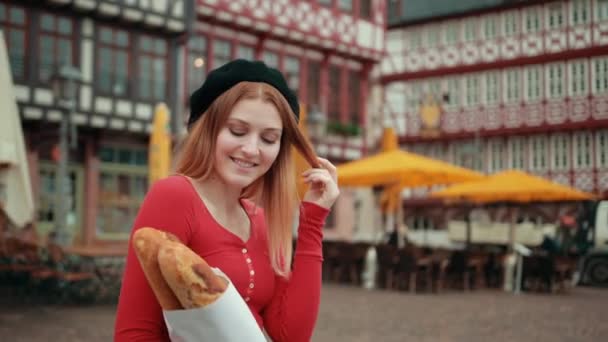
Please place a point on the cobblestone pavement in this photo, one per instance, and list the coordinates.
(357, 315)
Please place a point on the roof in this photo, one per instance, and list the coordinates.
(413, 11)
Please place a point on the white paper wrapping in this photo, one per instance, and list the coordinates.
(228, 319)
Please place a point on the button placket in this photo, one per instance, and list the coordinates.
(249, 263)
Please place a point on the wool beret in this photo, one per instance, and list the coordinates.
(228, 75)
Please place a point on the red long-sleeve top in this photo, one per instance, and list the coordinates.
(286, 308)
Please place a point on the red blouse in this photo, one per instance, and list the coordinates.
(286, 309)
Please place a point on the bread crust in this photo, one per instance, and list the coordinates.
(193, 289)
(146, 243)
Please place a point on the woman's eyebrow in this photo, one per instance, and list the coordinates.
(278, 130)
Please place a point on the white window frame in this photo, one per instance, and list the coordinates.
(472, 90)
(578, 78)
(517, 153)
(538, 152)
(560, 152)
(555, 79)
(600, 74)
(533, 20)
(510, 26)
(601, 148)
(452, 32)
(492, 87)
(601, 12)
(470, 30)
(496, 155)
(433, 36)
(555, 16)
(512, 85)
(489, 27)
(579, 12)
(582, 150)
(414, 38)
(533, 83)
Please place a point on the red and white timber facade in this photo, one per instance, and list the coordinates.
(327, 49)
(522, 87)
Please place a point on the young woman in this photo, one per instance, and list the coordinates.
(233, 201)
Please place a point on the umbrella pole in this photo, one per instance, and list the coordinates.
(468, 231)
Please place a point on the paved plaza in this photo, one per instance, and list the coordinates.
(357, 315)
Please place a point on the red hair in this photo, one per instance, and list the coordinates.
(276, 190)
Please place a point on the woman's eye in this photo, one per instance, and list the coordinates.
(238, 133)
(269, 141)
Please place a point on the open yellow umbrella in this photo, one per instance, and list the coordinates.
(512, 186)
(403, 168)
(159, 153)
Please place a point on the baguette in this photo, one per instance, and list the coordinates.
(146, 243)
(193, 289)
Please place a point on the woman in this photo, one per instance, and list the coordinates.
(233, 202)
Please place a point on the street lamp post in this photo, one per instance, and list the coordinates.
(65, 85)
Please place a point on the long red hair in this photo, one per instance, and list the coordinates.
(276, 190)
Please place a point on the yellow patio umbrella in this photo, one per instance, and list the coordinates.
(301, 164)
(403, 168)
(512, 186)
(159, 152)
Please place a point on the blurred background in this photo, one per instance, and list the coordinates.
(471, 138)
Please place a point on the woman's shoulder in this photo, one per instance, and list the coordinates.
(174, 186)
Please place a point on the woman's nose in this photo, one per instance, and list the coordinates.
(251, 146)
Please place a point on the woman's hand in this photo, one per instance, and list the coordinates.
(323, 183)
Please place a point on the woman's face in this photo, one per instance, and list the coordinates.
(248, 143)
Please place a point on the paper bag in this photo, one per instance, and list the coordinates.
(228, 319)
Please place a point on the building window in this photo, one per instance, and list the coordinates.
(112, 62)
(415, 97)
(13, 24)
(602, 10)
(560, 152)
(470, 30)
(152, 68)
(472, 88)
(517, 153)
(313, 81)
(432, 36)
(600, 66)
(492, 88)
(538, 152)
(245, 52)
(510, 23)
(578, 78)
(533, 83)
(365, 9)
(292, 72)
(354, 93)
(555, 81)
(415, 39)
(334, 89)
(47, 197)
(325, 2)
(197, 60)
(271, 59)
(221, 53)
(452, 32)
(346, 5)
(489, 27)
(512, 85)
(601, 148)
(123, 183)
(497, 155)
(582, 150)
(56, 44)
(532, 20)
(580, 12)
(556, 16)
(393, 10)
(454, 87)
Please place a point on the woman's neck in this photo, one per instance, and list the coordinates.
(219, 195)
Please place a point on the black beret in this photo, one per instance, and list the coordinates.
(228, 75)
